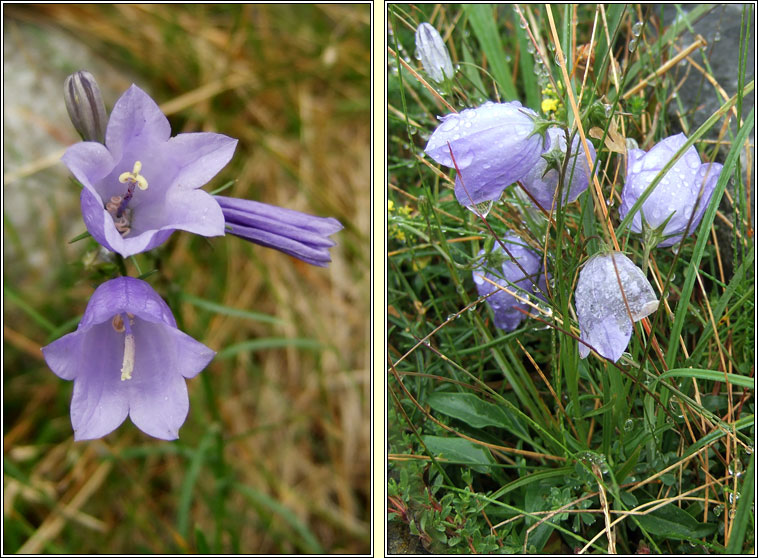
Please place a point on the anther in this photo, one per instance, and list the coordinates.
(118, 323)
(134, 176)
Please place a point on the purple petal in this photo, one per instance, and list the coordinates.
(89, 162)
(510, 276)
(608, 337)
(189, 210)
(63, 355)
(158, 392)
(99, 403)
(135, 120)
(126, 294)
(674, 197)
(603, 316)
(199, 157)
(543, 186)
(292, 232)
(493, 147)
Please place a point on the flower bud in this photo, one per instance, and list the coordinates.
(85, 106)
(432, 52)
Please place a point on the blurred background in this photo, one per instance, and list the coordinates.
(275, 454)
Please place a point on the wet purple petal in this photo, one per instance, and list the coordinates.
(506, 308)
(493, 146)
(603, 316)
(677, 193)
(543, 186)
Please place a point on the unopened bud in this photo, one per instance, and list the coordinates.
(85, 106)
(432, 52)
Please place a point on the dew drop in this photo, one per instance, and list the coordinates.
(637, 29)
(632, 45)
(482, 208)
(628, 425)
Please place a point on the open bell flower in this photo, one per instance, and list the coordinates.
(127, 357)
(494, 146)
(144, 184)
(520, 278)
(604, 319)
(297, 234)
(542, 183)
(688, 184)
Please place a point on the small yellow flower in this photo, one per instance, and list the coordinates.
(405, 211)
(390, 206)
(549, 105)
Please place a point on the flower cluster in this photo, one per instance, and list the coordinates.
(139, 185)
(498, 144)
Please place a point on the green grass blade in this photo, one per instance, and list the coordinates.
(742, 519)
(485, 29)
(269, 343)
(711, 375)
(15, 298)
(217, 308)
(307, 541)
(189, 482)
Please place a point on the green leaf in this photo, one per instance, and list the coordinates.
(674, 523)
(460, 450)
(79, 237)
(470, 409)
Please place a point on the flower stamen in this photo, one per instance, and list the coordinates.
(127, 365)
(123, 221)
(132, 178)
